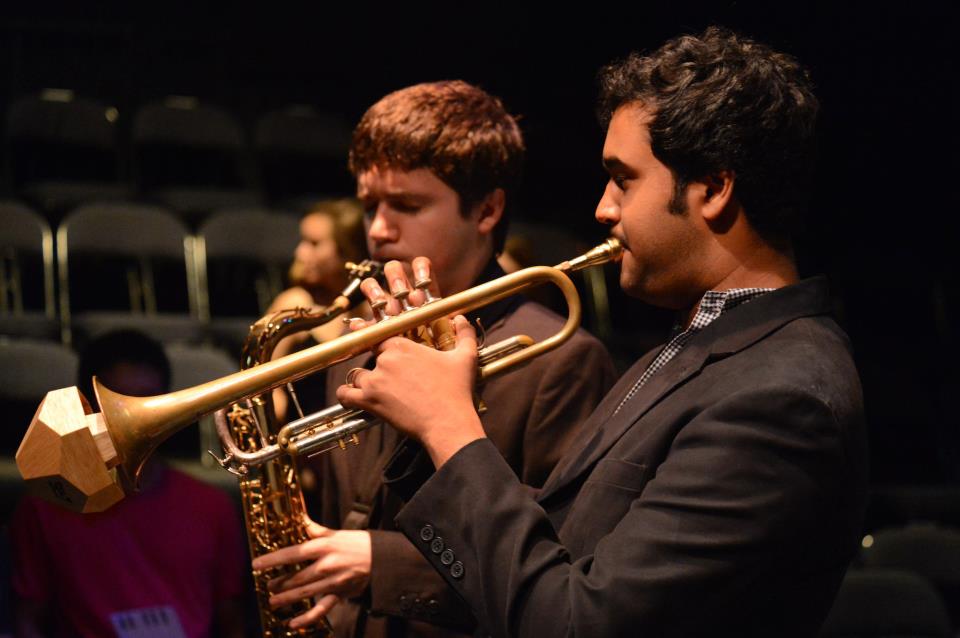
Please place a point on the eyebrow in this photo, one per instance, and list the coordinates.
(612, 163)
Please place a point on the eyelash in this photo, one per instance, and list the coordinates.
(407, 209)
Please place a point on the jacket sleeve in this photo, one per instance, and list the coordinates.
(743, 494)
(411, 587)
(569, 386)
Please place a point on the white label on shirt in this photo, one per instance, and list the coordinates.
(148, 622)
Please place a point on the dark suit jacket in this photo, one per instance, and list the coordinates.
(724, 499)
(532, 415)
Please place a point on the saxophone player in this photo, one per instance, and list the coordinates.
(722, 493)
(437, 166)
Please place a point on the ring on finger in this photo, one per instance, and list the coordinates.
(352, 375)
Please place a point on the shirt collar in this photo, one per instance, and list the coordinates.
(716, 302)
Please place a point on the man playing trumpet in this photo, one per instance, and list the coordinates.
(723, 488)
(436, 165)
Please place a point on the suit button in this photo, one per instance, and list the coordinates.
(433, 607)
(418, 606)
(437, 545)
(446, 557)
(426, 533)
(404, 602)
(456, 570)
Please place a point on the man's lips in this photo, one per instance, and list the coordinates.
(384, 256)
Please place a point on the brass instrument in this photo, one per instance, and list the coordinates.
(87, 461)
(270, 494)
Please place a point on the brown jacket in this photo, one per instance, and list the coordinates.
(533, 413)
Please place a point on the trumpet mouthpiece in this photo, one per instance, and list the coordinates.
(610, 250)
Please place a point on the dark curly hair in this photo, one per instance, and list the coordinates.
(720, 101)
(460, 132)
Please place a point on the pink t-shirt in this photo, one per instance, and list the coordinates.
(177, 545)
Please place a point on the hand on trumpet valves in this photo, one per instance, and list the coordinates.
(340, 568)
(423, 392)
(402, 295)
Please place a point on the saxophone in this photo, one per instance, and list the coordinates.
(271, 495)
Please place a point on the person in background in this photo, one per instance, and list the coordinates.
(331, 234)
(169, 558)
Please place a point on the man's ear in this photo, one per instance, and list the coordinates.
(717, 193)
(490, 210)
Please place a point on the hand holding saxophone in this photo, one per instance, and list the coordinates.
(340, 569)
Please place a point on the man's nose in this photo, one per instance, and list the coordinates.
(301, 253)
(381, 230)
(608, 210)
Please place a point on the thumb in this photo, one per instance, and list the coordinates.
(316, 530)
(466, 336)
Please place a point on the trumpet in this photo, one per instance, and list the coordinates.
(88, 461)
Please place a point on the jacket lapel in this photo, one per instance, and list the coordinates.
(733, 331)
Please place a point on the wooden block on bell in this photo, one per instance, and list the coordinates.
(67, 456)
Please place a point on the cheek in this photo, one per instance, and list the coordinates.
(331, 258)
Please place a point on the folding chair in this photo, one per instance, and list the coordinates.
(28, 370)
(190, 157)
(62, 151)
(302, 155)
(242, 260)
(883, 603)
(126, 266)
(27, 306)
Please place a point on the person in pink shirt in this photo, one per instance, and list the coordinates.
(167, 561)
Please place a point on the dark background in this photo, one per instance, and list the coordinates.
(883, 221)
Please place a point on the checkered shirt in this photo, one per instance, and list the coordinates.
(712, 305)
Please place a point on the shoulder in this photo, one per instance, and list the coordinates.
(581, 359)
(808, 349)
(540, 322)
(295, 297)
(809, 358)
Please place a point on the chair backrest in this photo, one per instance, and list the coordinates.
(28, 370)
(255, 245)
(25, 237)
(179, 141)
(301, 128)
(154, 251)
(302, 151)
(881, 603)
(926, 549)
(55, 135)
(190, 366)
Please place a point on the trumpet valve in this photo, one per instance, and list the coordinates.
(423, 284)
(377, 307)
(401, 295)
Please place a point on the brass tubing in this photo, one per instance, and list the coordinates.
(138, 424)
